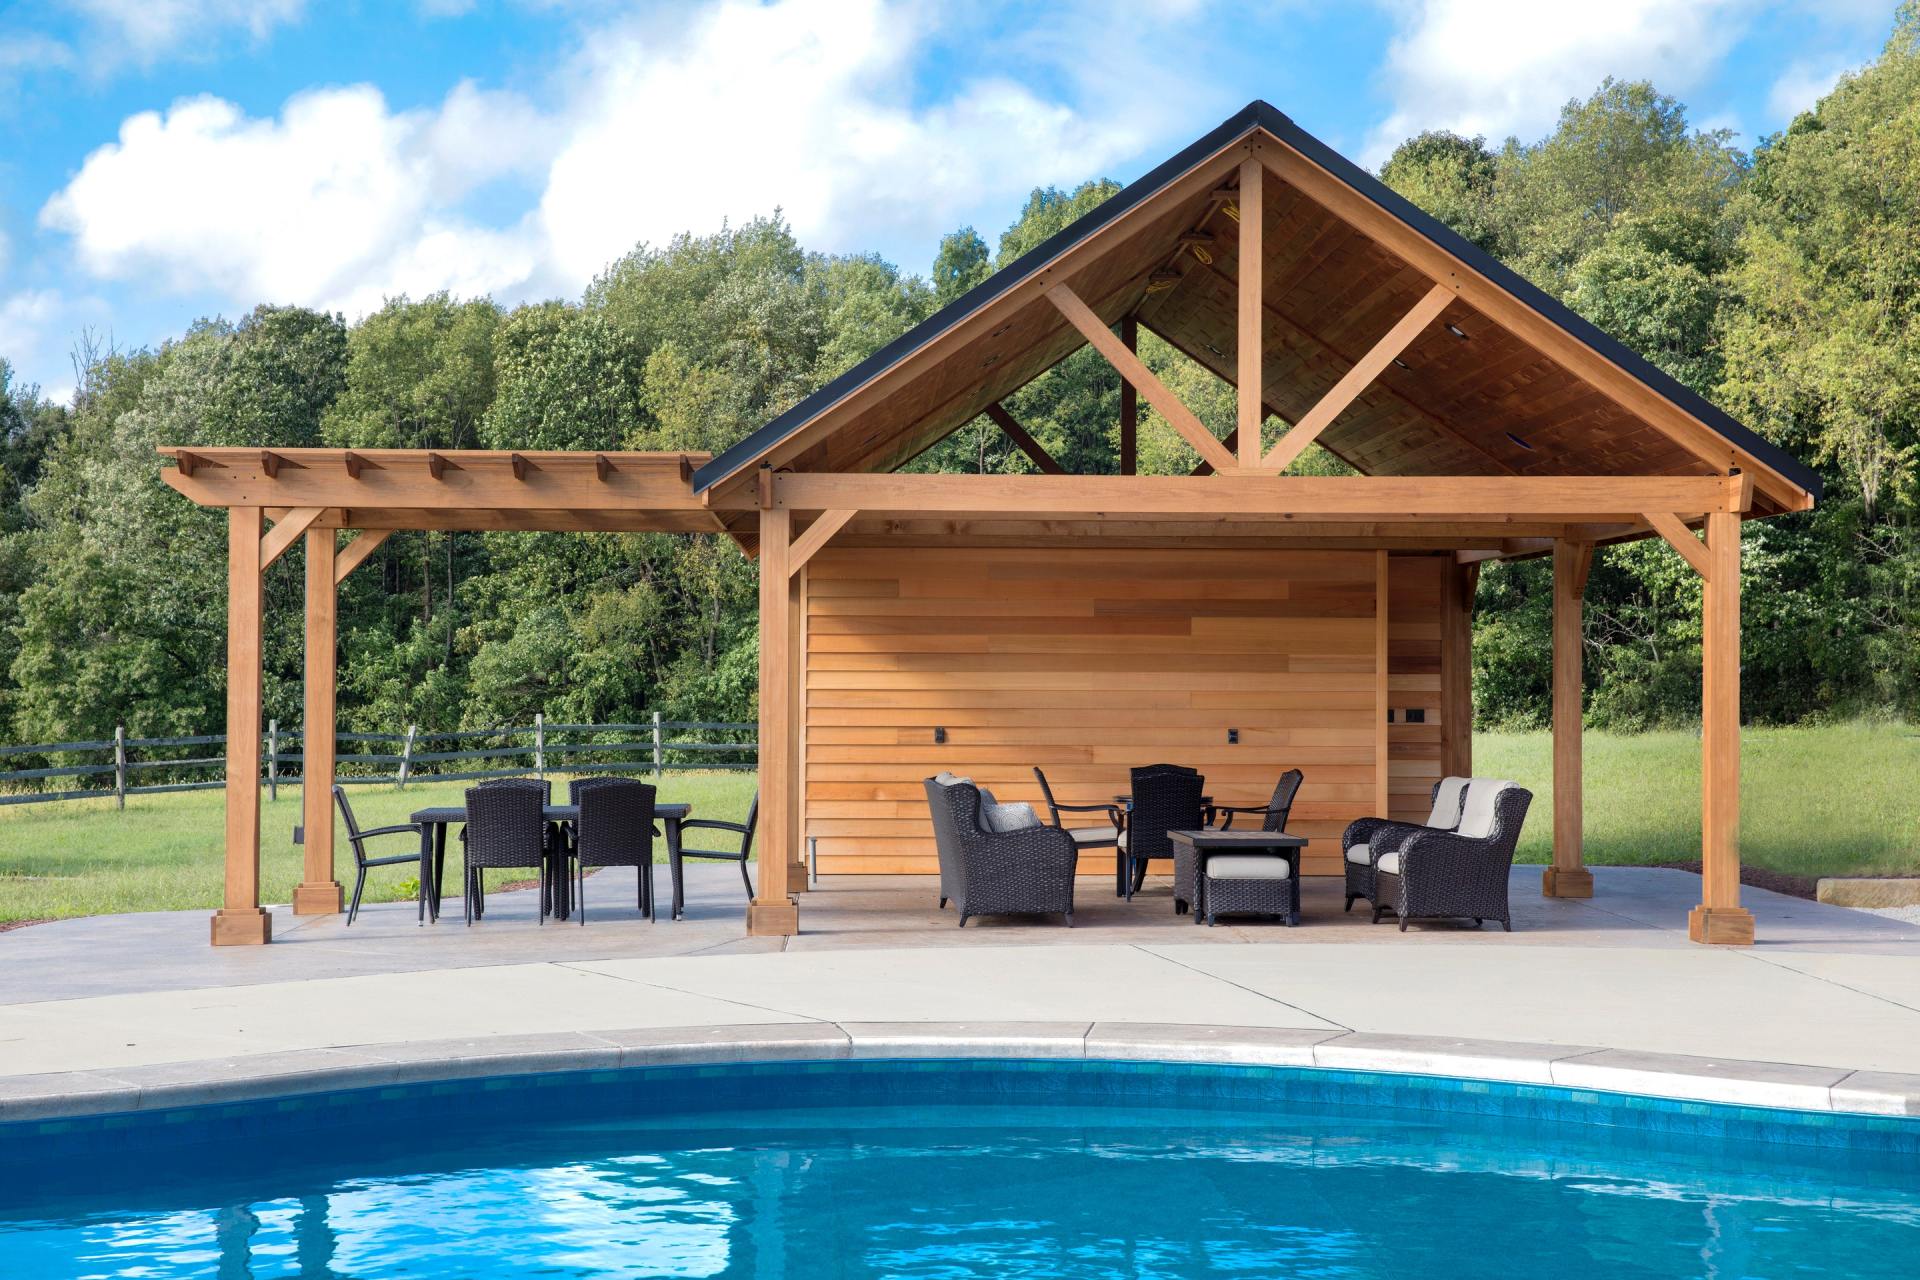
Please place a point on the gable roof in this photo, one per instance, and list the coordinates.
(1447, 422)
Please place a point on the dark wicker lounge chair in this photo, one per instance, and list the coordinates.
(1428, 874)
(614, 829)
(1166, 797)
(506, 827)
(358, 838)
(1026, 871)
(1356, 843)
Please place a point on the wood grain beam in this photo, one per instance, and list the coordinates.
(1171, 407)
(1251, 352)
(274, 543)
(357, 551)
(1681, 539)
(1358, 378)
(1020, 436)
(1567, 876)
(816, 536)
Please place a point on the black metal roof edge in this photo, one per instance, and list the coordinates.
(1133, 194)
(1263, 115)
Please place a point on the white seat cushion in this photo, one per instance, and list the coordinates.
(1359, 855)
(1093, 835)
(1247, 866)
(1390, 862)
(1123, 842)
(1476, 815)
(1447, 803)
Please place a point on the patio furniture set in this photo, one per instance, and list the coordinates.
(513, 824)
(1002, 859)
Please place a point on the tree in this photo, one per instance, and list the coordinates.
(1453, 179)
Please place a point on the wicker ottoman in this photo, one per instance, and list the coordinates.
(1250, 884)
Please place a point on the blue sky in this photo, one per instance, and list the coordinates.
(162, 160)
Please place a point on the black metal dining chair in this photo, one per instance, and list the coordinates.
(614, 829)
(742, 829)
(1166, 797)
(506, 828)
(358, 839)
(1273, 815)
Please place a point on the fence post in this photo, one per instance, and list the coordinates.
(539, 744)
(273, 759)
(120, 766)
(406, 755)
(658, 758)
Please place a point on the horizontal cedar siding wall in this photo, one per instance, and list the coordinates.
(1088, 662)
(1413, 683)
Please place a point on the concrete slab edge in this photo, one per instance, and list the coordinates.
(1577, 1067)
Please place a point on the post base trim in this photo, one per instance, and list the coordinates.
(1566, 882)
(773, 919)
(318, 898)
(1721, 926)
(245, 927)
(797, 876)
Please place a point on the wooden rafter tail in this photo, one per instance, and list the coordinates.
(1171, 407)
(520, 465)
(270, 462)
(437, 465)
(355, 553)
(1681, 539)
(1021, 437)
(1358, 378)
(274, 543)
(817, 536)
(355, 464)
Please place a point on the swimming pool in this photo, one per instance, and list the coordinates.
(961, 1168)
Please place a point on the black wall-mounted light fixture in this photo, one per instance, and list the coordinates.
(1233, 737)
(939, 735)
(1416, 715)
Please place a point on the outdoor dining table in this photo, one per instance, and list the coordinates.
(1201, 844)
(434, 820)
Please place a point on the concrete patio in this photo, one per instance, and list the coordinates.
(131, 1010)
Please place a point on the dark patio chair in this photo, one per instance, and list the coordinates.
(1273, 817)
(554, 835)
(614, 829)
(1104, 835)
(1028, 870)
(358, 839)
(1357, 841)
(1166, 797)
(742, 829)
(1421, 873)
(506, 828)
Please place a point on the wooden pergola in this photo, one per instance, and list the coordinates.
(1307, 617)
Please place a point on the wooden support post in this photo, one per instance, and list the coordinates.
(772, 912)
(318, 892)
(240, 920)
(1250, 359)
(1568, 876)
(1382, 749)
(796, 726)
(1720, 918)
(1457, 585)
(1129, 403)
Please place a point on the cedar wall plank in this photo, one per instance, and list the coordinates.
(1086, 662)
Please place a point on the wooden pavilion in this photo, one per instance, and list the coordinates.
(1237, 619)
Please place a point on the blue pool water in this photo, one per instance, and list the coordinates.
(958, 1169)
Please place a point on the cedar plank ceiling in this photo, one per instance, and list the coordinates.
(1450, 406)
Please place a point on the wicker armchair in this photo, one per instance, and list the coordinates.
(615, 829)
(1357, 841)
(506, 827)
(1166, 797)
(1428, 874)
(1028, 871)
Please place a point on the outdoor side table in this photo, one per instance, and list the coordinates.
(1253, 894)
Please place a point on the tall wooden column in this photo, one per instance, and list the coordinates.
(772, 911)
(796, 726)
(318, 893)
(1720, 918)
(1457, 585)
(1250, 356)
(240, 920)
(1568, 876)
(1382, 693)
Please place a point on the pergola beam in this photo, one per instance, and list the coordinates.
(1595, 499)
(1021, 437)
(1251, 351)
(286, 532)
(357, 551)
(1171, 407)
(1681, 539)
(1358, 378)
(816, 537)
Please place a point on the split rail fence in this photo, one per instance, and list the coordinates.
(121, 766)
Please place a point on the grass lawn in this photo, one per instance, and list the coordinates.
(84, 857)
(1836, 800)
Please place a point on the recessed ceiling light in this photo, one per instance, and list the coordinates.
(1403, 364)
(1217, 351)
(989, 361)
(1522, 443)
(1456, 331)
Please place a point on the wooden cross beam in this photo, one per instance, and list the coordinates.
(1681, 539)
(816, 537)
(284, 534)
(1020, 436)
(357, 551)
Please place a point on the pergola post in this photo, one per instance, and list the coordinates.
(772, 912)
(1457, 587)
(1568, 876)
(318, 892)
(240, 919)
(1720, 918)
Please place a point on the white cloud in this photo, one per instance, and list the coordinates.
(38, 329)
(807, 105)
(1802, 84)
(1500, 67)
(144, 31)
